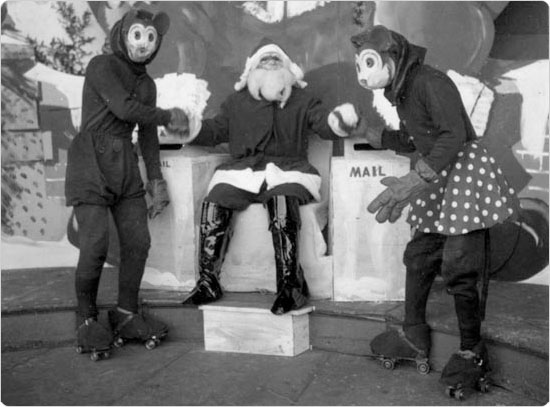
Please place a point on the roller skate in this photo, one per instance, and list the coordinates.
(134, 327)
(396, 345)
(94, 338)
(465, 372)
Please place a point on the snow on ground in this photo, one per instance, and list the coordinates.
(19, 252)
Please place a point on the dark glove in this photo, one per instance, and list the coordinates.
(158, 190)
(179, 122)
(399, 192)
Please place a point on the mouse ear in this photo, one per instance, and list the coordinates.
(161, 21)
(358, 40)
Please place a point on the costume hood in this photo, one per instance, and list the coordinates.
(266, 45)
(159, 20)
(405, 55)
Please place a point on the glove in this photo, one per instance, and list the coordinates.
(158, 190)
(399, 192)
(179, 122)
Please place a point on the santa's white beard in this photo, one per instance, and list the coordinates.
(274, 85)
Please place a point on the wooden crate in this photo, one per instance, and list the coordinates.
(255, 330)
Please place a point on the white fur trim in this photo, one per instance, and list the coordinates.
(276, 176)
(252, 62)
(252, 181)
(384, 107)
(246, 179)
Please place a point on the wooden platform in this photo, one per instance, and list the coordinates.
(251, 328)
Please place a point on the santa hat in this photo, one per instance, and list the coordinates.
(266, 45)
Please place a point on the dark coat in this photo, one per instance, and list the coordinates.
(117, 95)
(259, 132)
(433, 121)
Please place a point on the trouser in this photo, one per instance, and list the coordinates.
(231, 197)
(460, 260)
(130, 217)
(284, 225)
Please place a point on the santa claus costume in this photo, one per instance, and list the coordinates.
(266, 121)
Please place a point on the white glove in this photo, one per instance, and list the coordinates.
(343, 120)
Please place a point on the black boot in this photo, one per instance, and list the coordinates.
(284, 224)
(466, 370)
(214, 237)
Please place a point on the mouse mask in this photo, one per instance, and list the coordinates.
(383, 59)
(142, 32)
(372, 71)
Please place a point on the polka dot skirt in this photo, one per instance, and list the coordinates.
(472, 194)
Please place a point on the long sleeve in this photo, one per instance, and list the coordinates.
(148, 141)
(150, 150)
(444, 106)
(317, 116)
(397, 140)
(214, 131)
(103, 77)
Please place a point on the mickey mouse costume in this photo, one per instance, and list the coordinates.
(455, 189)
(103, 175)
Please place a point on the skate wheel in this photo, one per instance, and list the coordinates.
(456, 393)
(94, 357)
(78, 349)
(119, 342)
(106, 355)
(423, 368)
(388, 364)
(459, 394)
(483, 386)
(150, 344)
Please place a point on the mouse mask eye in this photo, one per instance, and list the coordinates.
(372, 72)
(141, 42)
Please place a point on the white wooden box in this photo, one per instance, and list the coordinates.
(367, 255)
(174, 233)
(255, 330)
(249, 264)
